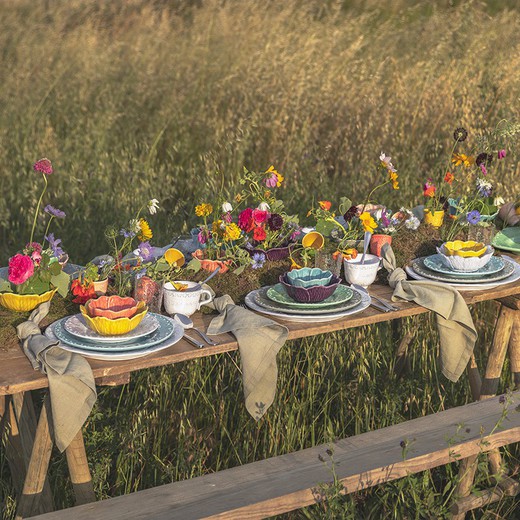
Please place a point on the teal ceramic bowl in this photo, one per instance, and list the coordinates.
(308, 277)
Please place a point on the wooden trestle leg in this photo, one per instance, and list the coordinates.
(507, 319)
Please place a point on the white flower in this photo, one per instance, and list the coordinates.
(498, 201)
(153, 205)
(134, 226)
(412, 223)
(227, 207)
(263, 206)
(386, 162)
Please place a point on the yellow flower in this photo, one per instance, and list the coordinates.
(238, 198)
(280, 179)
(203, 210)
(145, 233)
(217, 227)
(392, 176)
(369, 224)
(232, 232)
(460, 158)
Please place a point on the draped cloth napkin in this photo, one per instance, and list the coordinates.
(456, 328)
(71, 383)
(259, 341)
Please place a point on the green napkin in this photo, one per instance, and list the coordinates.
(456, 328)
(71, 383)
(259, 341)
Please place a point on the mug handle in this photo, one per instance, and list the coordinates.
(208, 297)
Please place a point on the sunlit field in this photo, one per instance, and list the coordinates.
(133, 100)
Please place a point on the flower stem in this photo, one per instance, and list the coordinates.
(38, 207)
(47, 230)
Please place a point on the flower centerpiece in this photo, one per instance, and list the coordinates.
(36, 273)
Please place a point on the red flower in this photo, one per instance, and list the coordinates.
(43, 166)
(260, 216)
(83, 293)
(259, 234)
(325, 204)
(449, 178)
(245, 219)
(21, 268)
(428, 189)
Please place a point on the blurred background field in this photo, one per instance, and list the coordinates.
(137, 99)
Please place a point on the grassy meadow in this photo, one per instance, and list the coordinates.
(137, 99)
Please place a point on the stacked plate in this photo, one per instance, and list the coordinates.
(508, 239)
(274, 301)
(498, 271)
(154, 333)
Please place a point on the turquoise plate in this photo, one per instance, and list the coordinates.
(508, 239)
(278, 294)
(165, 330)
(261, 299)
(435, 263)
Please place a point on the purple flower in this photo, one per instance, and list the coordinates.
(55, 212)
(258, 261)
(275, 222)
(54, 244)
(126, 233)
(483, 169)
(501, 154)
(145, 251)
(484, 188)
(202, 237)
(384, 219)
(473, 217)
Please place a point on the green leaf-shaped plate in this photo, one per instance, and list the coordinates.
(508, 239)
(278, 294)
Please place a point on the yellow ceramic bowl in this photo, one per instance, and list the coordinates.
(117, 327)
(469, 249)
(24, 302)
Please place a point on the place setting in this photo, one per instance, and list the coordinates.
(465, 265)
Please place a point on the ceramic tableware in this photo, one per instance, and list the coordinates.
(308, 277)
(436, 263)
(465, 264)
(278, 294)
(313, 294)
(361, 274)
(185, 302)
(508, 239)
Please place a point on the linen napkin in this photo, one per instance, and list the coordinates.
(456, 328)
(259, 341)
(71, 383)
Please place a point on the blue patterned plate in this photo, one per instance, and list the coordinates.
(165, 330)
(435, 263)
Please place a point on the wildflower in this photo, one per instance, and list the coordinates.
(202, 237)
(36, 257)
(325, 205)
(369, 224)
(412, 223)
(462, 159)
(501, 154)
(238, 198)
(274, 174)
(350, 213)
(386, 162)
(460, 134)
(258, 261)
(218, 227)
(259, 234)
(232, 232)
(32, 246)
(203, 210)
(83, 292)
(392, 176)
(227, 218)
(245, 219)
(275, 222)
(145, 251)
(384, 219)
(259, 215)
(55, 212)
(153, 206)
(227, 207)
(267, 194)
(271, 181)
(429, 189)
(473, 217)
(483, 169)
(21, 268)
(484, 188)
(449, 178)
(134, 226)
(43, 166)
(483, 159)
(54, 244)
(263, 206)
(498, 201)
(145, 233)
(126, 233)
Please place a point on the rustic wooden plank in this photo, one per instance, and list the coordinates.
(281, 484)
(17, 374)
(79, 470)
(514, 351)
(13, 450)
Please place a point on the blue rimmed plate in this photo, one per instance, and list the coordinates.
(435, 263)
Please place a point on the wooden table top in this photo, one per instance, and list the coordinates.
(17, 374)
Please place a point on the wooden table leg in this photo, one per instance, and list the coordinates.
(79, 471)
(489, 388)
(38, 465)
(514, 352)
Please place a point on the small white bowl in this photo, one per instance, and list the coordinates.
(361, 274)
(465, 265)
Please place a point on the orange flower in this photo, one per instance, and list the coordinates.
(325, 204)
(449, 178)
(462, 159)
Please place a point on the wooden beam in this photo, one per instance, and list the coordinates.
(79, 470)
(281, 484)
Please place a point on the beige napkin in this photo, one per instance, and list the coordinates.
(259, 340)
(71, 384)
(456, 328)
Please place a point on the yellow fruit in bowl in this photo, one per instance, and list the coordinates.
(114, 327)
(468, 249)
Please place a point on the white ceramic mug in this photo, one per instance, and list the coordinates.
(185, 302)
(362, 274)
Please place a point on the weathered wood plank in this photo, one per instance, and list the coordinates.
(281, 484)
(79, 470)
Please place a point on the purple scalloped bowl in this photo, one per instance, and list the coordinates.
(315, 294)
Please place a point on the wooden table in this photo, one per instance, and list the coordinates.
(30, 442)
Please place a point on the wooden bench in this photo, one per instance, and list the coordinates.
(284, 483)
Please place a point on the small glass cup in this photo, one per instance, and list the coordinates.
(149, 291)
(482, 233)
(328, 261)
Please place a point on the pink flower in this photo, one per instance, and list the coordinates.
(245, 219)
(32, 246)
(271, 181)
(36, 257)
(227, 218)
(260, 216)
(21, 268)
(483, 168)
(43, 166)
(201, 237)
(501, 154)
